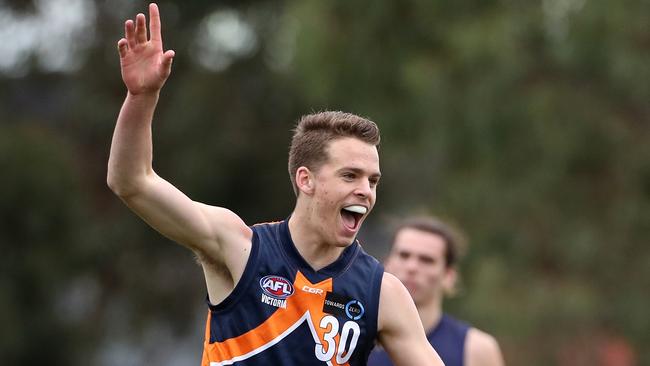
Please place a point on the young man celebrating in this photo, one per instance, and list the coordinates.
(297, 292)
(423, 256)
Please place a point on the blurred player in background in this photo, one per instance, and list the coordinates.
(424, 256)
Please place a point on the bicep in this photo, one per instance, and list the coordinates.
(400, 329)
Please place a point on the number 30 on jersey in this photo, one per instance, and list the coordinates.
(350, 331)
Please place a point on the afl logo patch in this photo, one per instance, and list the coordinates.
(276, 286)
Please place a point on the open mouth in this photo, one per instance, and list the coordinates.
(352, 216)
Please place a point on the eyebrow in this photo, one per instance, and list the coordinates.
(419, 256)
(359, 171)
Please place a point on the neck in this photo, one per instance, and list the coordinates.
(430, 312)
(310, 244)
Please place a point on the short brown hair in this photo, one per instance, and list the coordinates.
(315, 131)
(455, 244)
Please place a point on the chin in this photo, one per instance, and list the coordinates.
(345, 237)
(344, 244)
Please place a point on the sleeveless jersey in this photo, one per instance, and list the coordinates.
(447, 338)
(282, 312)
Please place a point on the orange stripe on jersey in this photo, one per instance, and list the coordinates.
(306, 304)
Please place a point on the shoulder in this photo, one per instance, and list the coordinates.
(390, 281)
(226, 227)
(225, 219)
(393, 295)
(228, 241)
(392, 287)
(482, 348)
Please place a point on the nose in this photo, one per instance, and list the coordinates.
(364, 189)
(409, 264)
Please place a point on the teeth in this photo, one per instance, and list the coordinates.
(356, 209)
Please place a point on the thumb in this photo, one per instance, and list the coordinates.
(122, 47)
(167, 59)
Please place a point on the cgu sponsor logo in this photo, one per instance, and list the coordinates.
(313, 290)
(276, 286)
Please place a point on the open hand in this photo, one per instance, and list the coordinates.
(145, 67)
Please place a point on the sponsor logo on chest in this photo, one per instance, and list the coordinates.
(344, 306)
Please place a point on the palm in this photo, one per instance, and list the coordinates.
(141, 68)
(145, 67)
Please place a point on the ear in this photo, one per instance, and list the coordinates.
(449, 280)
(305, 180)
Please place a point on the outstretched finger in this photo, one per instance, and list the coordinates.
(129, 33)
(140, 28)
(122, 47)
(154, 23)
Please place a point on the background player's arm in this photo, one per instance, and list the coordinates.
(400, 329)
(214, 232)
(481, 349)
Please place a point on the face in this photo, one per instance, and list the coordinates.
(418, 260)
(342, 191)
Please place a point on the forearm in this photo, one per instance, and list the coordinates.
(409, 351)
(130, 160)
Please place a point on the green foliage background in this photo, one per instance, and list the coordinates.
(526, 123)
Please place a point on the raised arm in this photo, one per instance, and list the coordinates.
(145, 69)
(400, 329)
(214, 233)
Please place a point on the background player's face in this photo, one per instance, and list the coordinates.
(418, 260)
(349, 177)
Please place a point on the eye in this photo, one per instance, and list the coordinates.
(373, 182)
(348, 176)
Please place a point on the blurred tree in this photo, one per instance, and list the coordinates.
(41, 210)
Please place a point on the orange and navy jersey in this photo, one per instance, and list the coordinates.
(282, 312)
